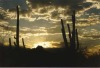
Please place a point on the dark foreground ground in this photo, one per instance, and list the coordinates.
(39, 57)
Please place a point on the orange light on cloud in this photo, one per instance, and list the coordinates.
(44, 45)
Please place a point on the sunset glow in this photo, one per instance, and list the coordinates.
(43, 44)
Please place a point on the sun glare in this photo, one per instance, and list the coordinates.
(43, 44)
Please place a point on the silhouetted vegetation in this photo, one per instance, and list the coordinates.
(17, 29)
(44, 57)
(73, 35)
(71, 55)
(23, 42)
(64, 34)
(9, 42)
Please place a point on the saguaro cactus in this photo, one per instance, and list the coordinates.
(73, 31)
(77, 40)
(17, 29)
(23, 42)
(69, 33)
(64, 34)
(15, 43)
(10, 42)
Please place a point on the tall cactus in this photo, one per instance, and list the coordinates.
(10, 42)
(15, 43)
(64, 34)
(17, 29)
(77, 40)
(23, 42)
(69, 33)
(73, 31)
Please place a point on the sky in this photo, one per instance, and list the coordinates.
(40, 21)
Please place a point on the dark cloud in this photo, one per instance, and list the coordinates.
(62, 3)
(36, 3)
(93, 10)
(93, 36)
(72, 4)
(43, 10)
(2, 16)
(11, 4)
(54, 14)
(87, 4)
(8, 28)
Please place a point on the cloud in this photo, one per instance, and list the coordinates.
(91, 33)
(45, 7)
(93, 36)
(70, 4)
(56, 2)
(54, 14)
(43, 10)
(93, 11)
(54, 29)
(36, 3)
(57, 44)
(43, 18)
(8, 8)
(87, 4)
(11, 4)
(8, 28)
(3, 15)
